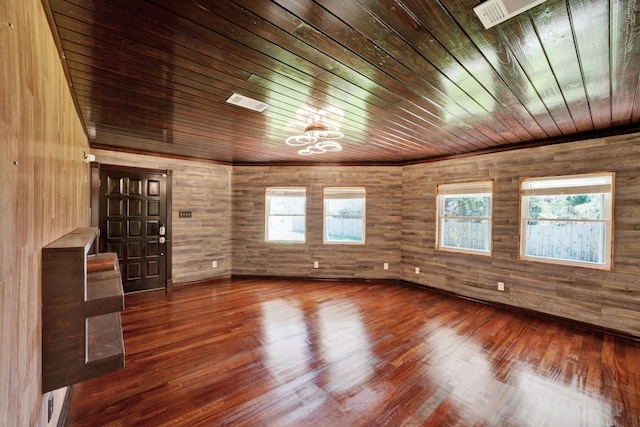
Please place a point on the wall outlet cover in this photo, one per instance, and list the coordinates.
(49, 407)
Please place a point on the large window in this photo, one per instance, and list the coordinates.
(285, 214)
(567, 219)
(464, 217)
(344, 215)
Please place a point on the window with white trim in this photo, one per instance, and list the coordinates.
(568, 219)
(464, 217)
(344, 215)
(285, 214)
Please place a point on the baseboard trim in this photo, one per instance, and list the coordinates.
(208, 280)
(315, 279)
(502, 306)
(530, 313)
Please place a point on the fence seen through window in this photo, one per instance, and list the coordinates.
(464, 217)
(344, 215)
(285, 215)
(568, 219)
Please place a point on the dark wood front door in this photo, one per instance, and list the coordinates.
(133, 223)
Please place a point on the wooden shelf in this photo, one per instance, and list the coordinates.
(104, 338)
(81, 329)
(104, 290)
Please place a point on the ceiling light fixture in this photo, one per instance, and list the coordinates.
(320, 130)
(317, 139)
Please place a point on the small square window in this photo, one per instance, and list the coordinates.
(464, 217)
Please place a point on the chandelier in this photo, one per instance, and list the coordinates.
(321, 130)
(317, 139)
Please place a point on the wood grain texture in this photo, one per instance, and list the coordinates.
(254, 352)
(43, 192)
(253, 256)
(205, 190)
(415, 79)
(44, 182)
(609, 299)
(81, 329)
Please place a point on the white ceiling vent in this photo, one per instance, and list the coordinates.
(493, 12)
(243, 101)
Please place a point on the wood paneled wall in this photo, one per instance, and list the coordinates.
(608, 299)
(205, 190)
(44, 190)
(44, 193)
(252, 256)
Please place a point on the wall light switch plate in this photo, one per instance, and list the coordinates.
(316, 264)
(417, 270)
(386, 266)
(214, 264)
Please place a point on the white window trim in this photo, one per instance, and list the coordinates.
(582, 184)
(271, 191)
(345, 192)
(463, 188)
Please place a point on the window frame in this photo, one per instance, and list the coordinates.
(344, 191)
(554, 190)
(281, 191)
(460, 189)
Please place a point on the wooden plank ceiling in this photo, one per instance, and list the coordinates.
(404, 80)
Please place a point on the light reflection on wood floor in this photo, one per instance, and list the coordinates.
(296, 353)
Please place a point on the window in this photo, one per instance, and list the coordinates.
(464, 217)
(567, 219)
(344, 215)
(285, 214)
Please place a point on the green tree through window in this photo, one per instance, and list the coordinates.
(567, 219)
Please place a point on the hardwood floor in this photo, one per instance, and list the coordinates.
(296, 353)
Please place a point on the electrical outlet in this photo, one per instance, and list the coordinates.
(49, 407)
(417, 270)
(386, 266)
(214, 264)
(316, 264)
(501, 286)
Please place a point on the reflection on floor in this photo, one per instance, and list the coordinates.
(297, 353)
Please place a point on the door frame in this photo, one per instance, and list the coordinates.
(96, 167)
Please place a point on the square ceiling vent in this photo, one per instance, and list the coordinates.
(243, 101)
(493, 12)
